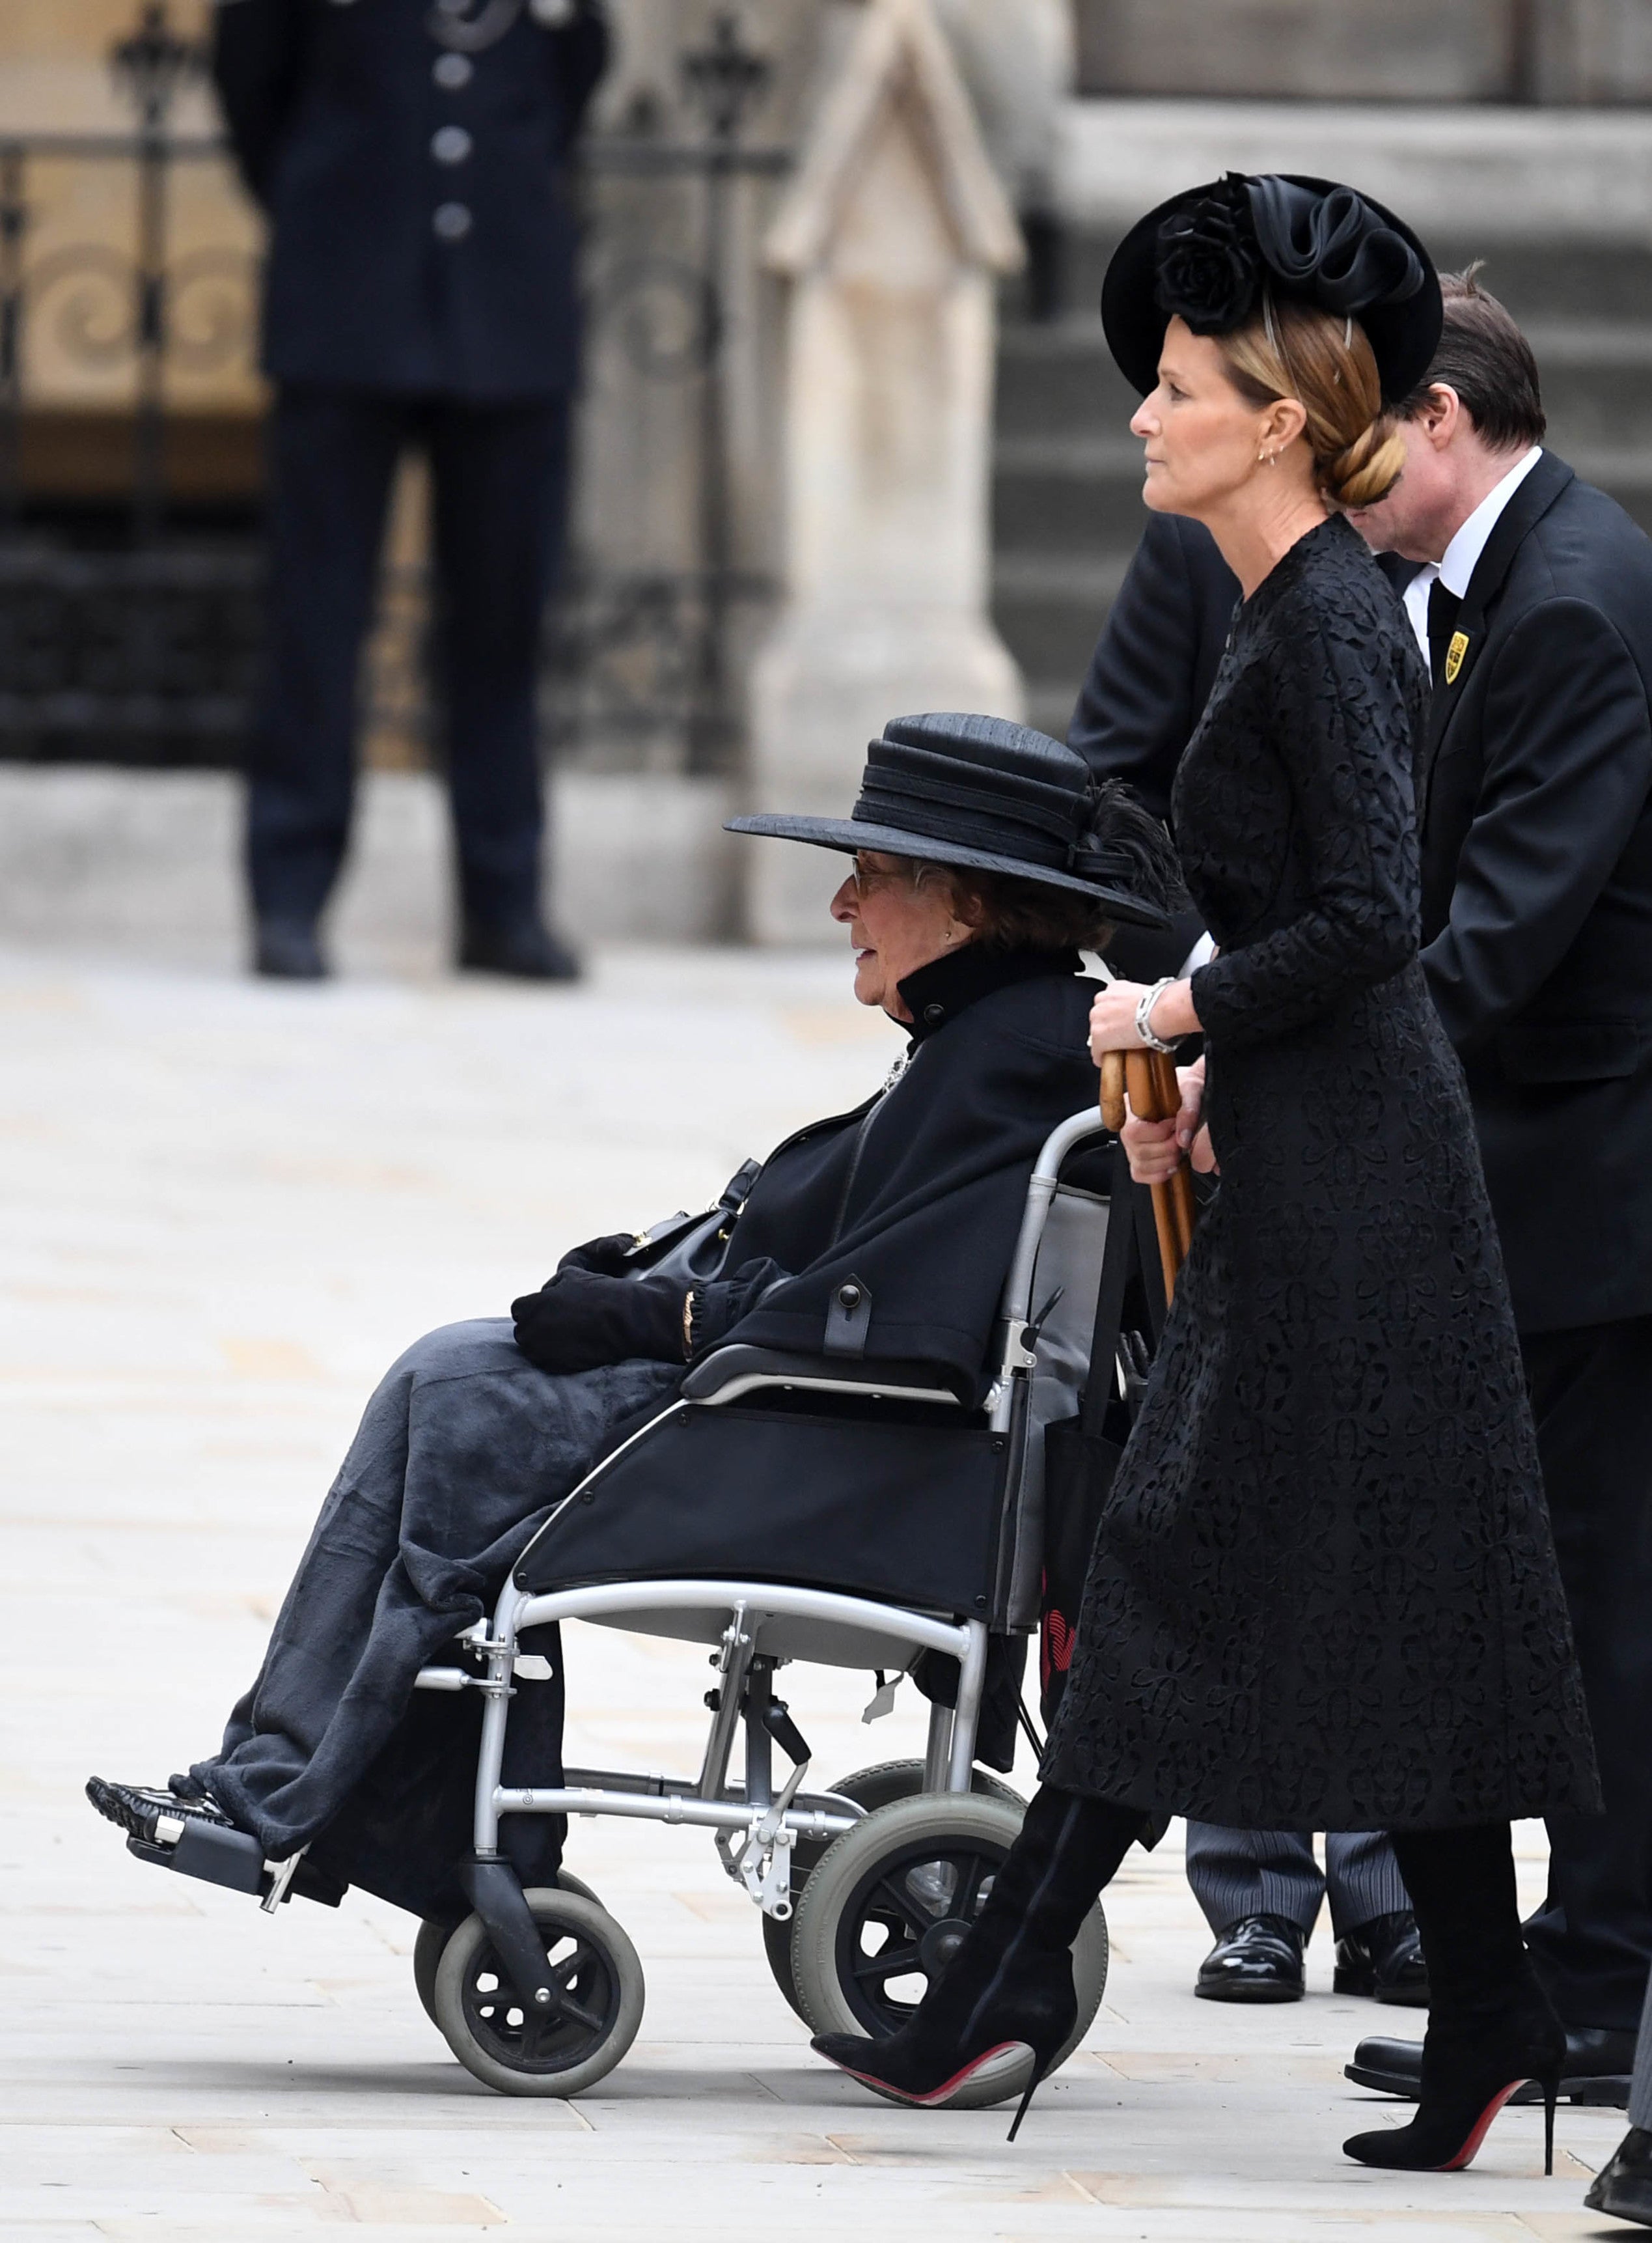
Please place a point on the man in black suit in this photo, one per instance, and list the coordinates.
(1261, 1891)
(420, 290)
(1535, 793)
(1535, 799)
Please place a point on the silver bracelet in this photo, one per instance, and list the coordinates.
(1145, 1005)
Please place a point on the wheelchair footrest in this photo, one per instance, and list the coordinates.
(218, 1854)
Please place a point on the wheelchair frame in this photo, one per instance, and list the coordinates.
(764, 1624)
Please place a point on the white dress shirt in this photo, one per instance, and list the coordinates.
(1457, 564)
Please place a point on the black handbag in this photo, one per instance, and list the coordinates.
(693, 1247)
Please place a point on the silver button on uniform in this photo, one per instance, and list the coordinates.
(453, 72)
(451, 145)
(451, 221)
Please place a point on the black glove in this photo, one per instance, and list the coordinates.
(582, 1319)
(607, 1256)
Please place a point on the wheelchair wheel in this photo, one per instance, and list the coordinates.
(579, 2042)
(433, 1937)
(888, 1907)
(869, 1788)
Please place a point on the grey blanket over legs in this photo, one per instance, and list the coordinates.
(461, 1453)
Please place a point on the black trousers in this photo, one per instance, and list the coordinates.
(1592, 1395)
(1239, 1873)
(498, 478)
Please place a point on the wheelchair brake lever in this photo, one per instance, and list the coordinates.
(777, 1720)
(1029, 1336)
(1021, 1340)
(763, 1865)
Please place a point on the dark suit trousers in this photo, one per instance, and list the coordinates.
(1592, 1396)
(498, 478)
(1239, 1873)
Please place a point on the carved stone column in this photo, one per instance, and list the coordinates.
(891, 238)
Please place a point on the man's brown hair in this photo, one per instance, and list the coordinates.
(1484, 357)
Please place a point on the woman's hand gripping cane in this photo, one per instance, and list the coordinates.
(1153, 1110)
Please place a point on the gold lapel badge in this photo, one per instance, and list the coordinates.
(1454, 654)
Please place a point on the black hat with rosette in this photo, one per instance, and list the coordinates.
(1211, 255)
(982, 791)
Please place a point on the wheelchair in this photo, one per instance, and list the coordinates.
(827, 1509)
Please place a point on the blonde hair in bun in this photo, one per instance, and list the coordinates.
(1287, 348)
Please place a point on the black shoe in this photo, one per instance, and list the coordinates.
(1623, 2185)
(154, 1816)
(1594, 2070)
(1469, 2070)
(1382, 1959)
(1258, 1959)
(1007, 1993)
(522, 948)
(288, 950)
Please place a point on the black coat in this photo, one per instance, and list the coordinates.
(390, 268)
(1148, 679)
(918, 1193)
(1535, 788)
(1324, 1595)
(1155, 661)
(1534, 781)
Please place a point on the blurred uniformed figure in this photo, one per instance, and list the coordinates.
(1018, 59)
(420, 290)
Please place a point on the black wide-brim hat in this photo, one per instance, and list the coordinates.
(982, 793)
(1208, 253)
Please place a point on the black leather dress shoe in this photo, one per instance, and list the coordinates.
(1597, 2069)
(1382, 1959)
(286, 950)
(151, 1812)
(1258, 1959)
(1623, 2185)
(522, 948)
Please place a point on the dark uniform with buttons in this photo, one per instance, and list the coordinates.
(421, 289)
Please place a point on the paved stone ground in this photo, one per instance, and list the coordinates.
(225, 1208)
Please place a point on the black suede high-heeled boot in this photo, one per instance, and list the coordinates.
(1491, 2027)
(1008, 1988)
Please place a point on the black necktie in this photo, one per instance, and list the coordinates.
(1443, 609)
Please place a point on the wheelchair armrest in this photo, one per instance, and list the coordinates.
(729, 1373)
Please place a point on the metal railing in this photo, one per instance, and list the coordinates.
(131, 624)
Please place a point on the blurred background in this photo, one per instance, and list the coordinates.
(130, 465)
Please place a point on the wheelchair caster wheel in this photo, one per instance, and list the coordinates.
(574, 2044)
(886, 1910)
(433, 1937)
(869, 1788)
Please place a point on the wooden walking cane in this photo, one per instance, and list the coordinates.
(1149, 1079)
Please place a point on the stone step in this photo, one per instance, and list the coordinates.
(1060, 496)
(1583, 279)
(1463, 173)
(1050, 611)
(95, 858)
(1068, 518)
(1596, 375)
(1076, 496)
(1070, 497)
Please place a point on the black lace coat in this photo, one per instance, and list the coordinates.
(1324, 1593)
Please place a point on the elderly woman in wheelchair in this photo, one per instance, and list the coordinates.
(805, 1426)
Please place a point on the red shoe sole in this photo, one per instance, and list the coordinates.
(936, 2097)
(1466, 2155)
